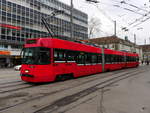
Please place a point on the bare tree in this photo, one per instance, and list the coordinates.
(94, 27)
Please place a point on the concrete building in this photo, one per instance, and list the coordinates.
(21, 19)
(146, 52)
(115, 43)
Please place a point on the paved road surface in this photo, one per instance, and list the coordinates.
(123, 91)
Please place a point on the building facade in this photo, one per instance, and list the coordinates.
(21, 19)
(146, 52)
(115, 43)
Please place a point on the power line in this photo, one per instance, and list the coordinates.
(142, 21)
(128, 9)
(123, 2)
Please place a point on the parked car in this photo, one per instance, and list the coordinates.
(17, 67)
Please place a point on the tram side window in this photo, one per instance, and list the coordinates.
(71, 55)
(44, 56)
(129, 59)
(81, 58)
(99, 58)
(137, 59)
(132, 59)
(122, 58)
(115, 58)
(118, 58)
(88, 58)
(91, 58)
(59, 55)
(112, 58)
(107, 58)
(94, 58)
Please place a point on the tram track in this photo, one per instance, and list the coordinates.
(68, 100)
(10, 82)
(16, 89)
(33, 85)
(71, 87)
(11, 85)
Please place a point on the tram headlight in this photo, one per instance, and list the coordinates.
(26, 71)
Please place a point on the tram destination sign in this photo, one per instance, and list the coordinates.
(31, 42)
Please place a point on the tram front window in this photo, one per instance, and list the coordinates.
(36, 55)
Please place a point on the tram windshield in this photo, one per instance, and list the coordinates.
(36, 55)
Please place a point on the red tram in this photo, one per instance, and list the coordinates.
(49, 59)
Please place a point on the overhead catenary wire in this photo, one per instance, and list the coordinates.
(139, 19)
(136, 20)
(133, 8)
(142, 21)
(108, 17)
(129, 4)
(127, 9)
(123, 2)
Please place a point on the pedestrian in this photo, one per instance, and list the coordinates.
(147, 62)
(142, 62)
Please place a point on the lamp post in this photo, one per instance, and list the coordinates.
(115, 28)
(71, 20)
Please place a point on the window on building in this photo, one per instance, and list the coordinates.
(3, 30)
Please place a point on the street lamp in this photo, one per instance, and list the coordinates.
(44, 21)
(71, 20)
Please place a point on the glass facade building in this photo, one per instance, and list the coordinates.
(21, 19)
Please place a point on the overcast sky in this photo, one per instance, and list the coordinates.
(132, 14)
